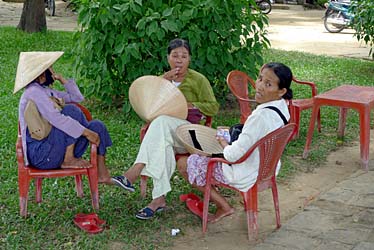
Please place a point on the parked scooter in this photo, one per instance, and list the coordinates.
(264, 6)
(337, 16)
(50, 5)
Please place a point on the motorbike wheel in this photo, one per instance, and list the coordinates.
(51, 7)
(264, 6)
(332, 26)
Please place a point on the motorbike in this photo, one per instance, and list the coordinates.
(263, 5)
(337, 16)
(50, 5)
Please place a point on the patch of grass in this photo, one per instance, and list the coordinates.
(49, 224)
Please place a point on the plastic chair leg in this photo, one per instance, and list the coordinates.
(319, 121)
(274, 190)
(23, 187)
(252, 213)
(78, 185)
(252, 225)
(38, 189)
(206, 206)
(94, 188)
(297, 121)
(23, 206)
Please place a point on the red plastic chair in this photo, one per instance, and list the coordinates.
(238, 84)
(27, 172)
(298, 105)
(144, 178)
(270, 149)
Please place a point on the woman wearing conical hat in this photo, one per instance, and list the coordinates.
(156, 156)
(70, 133)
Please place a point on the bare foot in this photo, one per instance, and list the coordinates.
(75, 163)
(157, 203)
(211, 217)
(222, 213)
(107, 181)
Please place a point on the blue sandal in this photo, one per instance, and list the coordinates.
(123, 182)
(147, 213)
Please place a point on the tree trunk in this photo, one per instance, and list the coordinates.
(33, 16)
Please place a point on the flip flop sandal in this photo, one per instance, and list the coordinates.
(191, 196)
(91, 216)
(147, 213)
(89, 226)
(195, 207)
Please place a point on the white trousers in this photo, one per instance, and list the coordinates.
(157, 152)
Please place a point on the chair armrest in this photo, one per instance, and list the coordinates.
(310, 84)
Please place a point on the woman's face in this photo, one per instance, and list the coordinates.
(179, 58)
(42, 78)
(267, 87)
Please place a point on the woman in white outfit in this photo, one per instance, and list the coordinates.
(272, 91)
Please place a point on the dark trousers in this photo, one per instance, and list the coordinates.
(49, 153)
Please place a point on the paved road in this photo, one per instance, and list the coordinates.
(341, 219)
(303, 30)
(291, 28)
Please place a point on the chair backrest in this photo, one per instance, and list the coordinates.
(270, 149)
(292, 103)
(238, 85)
(85, 111)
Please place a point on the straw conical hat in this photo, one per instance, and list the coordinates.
(31, 65)
(152, 96)
(206, 137)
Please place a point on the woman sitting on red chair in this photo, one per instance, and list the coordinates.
(156, 156)
(272, 89)
(70, 134)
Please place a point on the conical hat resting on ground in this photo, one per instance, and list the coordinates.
(32, 64)
(152, 96)
(205, 136)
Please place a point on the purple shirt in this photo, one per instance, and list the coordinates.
(41, 96)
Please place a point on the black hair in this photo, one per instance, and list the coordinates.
(177, 43)
(284, 75)
(49, 79)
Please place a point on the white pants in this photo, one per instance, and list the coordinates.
(157, 152)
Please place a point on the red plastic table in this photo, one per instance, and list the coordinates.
(360, 98)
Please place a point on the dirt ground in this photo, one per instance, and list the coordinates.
(294, 194)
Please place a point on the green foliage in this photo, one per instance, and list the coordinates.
(123, 40)
(363, 22)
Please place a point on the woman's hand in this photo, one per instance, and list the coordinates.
(92, 136)
(222, 141)
(57, 76)
(173, 74)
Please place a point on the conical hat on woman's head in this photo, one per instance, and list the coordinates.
(32, 64)
(152, 96)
